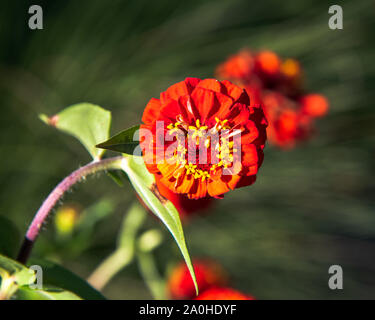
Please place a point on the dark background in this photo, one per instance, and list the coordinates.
(311, 207)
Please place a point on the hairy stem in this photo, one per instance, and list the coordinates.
(48, 204)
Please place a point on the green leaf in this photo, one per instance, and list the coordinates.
(56, 275)
(117, 176)
(21, 275)
(124, 141)
(144, 184)
(89, 123)
(9, 237)
(26, 293)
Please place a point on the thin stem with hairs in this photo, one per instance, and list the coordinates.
(56, 194)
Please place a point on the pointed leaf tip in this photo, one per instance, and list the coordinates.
(125, 142)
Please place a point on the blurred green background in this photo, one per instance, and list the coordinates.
(311, 207)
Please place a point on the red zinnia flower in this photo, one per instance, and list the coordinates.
(218, 293)
(208, 274)
(196, 110)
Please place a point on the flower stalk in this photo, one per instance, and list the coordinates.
(56, 194)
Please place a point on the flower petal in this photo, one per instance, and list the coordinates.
(152, 111)
(216, 188)
(179, 89)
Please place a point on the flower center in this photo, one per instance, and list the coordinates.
(202, 150)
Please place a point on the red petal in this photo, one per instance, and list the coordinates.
(217, 188)
(204, 101)
(249, 155)
(211, 84)
(179, 89)
(186, 184)
(232, 90)
(250, 134)
(246, 181)
(152, 111)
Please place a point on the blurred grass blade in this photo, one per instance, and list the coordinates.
(124, 141)
(144, 184)
(89, 123)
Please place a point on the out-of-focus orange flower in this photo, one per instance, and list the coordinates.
(185, 206)
(268, 63)
(314, 105)
(189, 110)
(238, 66)
(290, 82)
(208, 274)
(220, 293)
(291, 69)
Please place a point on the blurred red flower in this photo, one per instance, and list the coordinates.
(207, 272)
(220, 293)
(287, 124)
(314, 105)
(290, 81)
(192, 109)
(237, 67)
(267, 63)
(276, 85)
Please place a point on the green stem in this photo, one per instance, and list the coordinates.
(113, 264)
(124, 253)
(151, 276)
